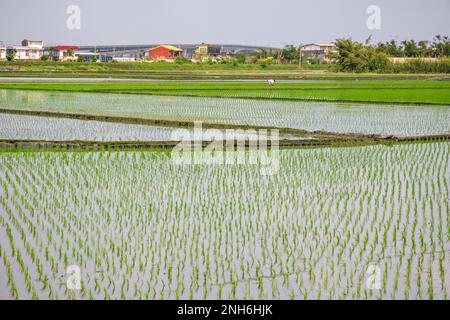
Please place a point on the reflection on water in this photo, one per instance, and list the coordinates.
(384, 119)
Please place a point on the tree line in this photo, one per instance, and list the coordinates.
(364, 53)
(437, 48)
(365, 57)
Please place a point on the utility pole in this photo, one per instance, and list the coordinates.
(300, 55)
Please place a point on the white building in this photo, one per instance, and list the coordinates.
(124, 59)
(318, 50)
(2, 51)
(38, 44)
(65, 53)
(30, 50)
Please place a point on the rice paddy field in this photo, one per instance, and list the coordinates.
(339, 117)
(141, 227)
(18, 127)
(430, 91)
(24, 127)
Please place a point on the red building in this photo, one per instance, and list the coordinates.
(63, 53)
(164, 52)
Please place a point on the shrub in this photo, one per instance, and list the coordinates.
(419, 66)
(240, 58)
(353, 56)
(179, 60)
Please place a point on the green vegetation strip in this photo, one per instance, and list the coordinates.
(136, 66)
(381, 91)
(220, 75)
(164, 146)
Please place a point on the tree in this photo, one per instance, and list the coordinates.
(51, 53)
(424, 50)
(440, 46)
(392, 49)
(179, 60)
(410, 48)
(80, 59)
(290, 54)
(11, 54)
(354, 56)
(373, 60)
(263, 53)
(240, 58)
(346, 57)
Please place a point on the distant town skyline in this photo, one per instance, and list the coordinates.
(249, 22)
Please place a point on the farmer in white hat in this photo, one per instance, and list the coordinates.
(271, 82)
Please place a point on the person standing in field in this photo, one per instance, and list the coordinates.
(271, 82)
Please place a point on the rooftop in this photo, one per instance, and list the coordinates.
(168, 47)
(67, 47)
(323, 44)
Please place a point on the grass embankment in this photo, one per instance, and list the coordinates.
(188, 71)
(49, 66)
(321, 140)
(377, 91)
(222, 75)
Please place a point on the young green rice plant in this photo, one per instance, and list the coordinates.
(216, 230)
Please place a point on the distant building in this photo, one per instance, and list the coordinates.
(318, 50)
(89, 56)
(65, 53)
(409, 59)
(25, 53)
(124, 59)
(204, 52)
(164, 53)
(30, 50)
(2, 51)
(33, 43)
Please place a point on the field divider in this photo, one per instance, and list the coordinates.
(317, 138)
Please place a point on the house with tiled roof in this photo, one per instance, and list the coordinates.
(164, 52)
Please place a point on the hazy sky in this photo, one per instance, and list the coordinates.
(257, 22)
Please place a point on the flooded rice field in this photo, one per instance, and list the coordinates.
(344, 223)
(382, 119)
(41, 128)
(25, 127)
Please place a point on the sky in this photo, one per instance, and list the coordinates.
(250, 22)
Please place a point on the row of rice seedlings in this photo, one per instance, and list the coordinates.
(312, 116)
(141, 227)
(24, 127)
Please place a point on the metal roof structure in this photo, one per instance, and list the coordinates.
(168, 47)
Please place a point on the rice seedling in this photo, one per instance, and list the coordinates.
(24, 127)
(227, 232)
(401, 120)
